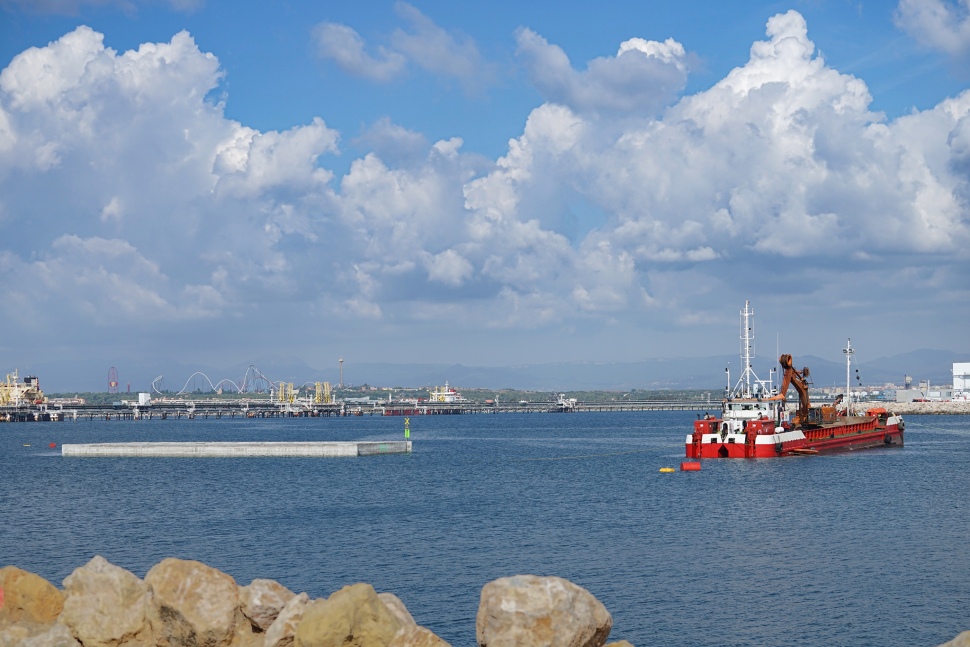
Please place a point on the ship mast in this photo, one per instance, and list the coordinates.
(743, 387)
(849, 352)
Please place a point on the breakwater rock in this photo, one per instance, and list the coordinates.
(952, 407)
(182, 603)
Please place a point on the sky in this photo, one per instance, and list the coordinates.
(490, 184)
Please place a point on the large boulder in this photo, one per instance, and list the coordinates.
(263, 600)
(27, 598)
(395, 606)
(415, 636)
(963, 640)
(192, 604)
(282, 633)
(533, 611)
(410, 634)
(105, 606)
(56, 636)
(16, 634)
(352, 617)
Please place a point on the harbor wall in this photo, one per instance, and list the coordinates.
(329, 449)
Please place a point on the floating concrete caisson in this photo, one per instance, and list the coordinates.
(240, 450)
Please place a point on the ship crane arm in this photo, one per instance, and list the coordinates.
(798, 379)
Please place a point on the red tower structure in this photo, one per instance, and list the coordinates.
(112, 380)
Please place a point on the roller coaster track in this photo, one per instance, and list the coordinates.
(256, 377)
(252, 380)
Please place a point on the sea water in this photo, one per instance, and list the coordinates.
(860, 548)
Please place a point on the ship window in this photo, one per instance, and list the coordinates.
(730, 440)
(713, 440)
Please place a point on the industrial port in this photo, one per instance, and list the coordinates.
(256, 397)
(23, 401)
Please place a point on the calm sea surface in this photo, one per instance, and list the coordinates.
(865, 548)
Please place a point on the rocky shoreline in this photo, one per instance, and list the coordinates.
(183, 603)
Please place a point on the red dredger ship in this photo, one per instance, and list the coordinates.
(755, 423)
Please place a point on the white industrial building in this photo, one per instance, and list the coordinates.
(961, 380)
(926, 393)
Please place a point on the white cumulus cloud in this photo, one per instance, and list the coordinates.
(344, 46)
(127, 195)
(780, 164)
(422, 43)
(125, 147)
(642, 77)
(939, 24)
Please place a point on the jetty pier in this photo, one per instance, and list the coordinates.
(163, 409)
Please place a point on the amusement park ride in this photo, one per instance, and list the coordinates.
(253, 382)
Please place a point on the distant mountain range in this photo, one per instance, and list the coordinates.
(651, 374)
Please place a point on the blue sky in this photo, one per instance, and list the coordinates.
(490, 184)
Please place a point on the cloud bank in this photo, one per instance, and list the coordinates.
(128, 201)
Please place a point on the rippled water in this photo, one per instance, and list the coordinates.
(866, 548)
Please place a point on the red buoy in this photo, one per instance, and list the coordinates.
(690, 466)
(53, 445)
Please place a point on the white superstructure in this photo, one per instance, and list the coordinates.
(445, 394)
